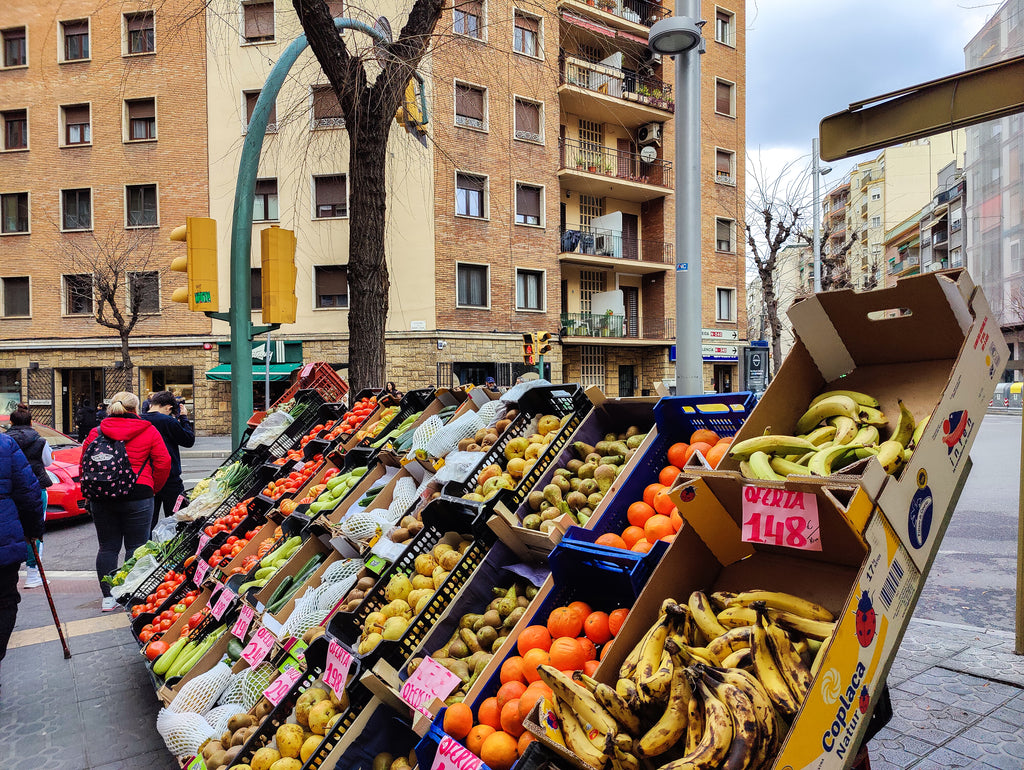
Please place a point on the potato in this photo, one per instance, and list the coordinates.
(286, 763)
(289, 739)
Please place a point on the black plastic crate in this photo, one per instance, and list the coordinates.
(317, 412)
(383, 731)
(412, 402)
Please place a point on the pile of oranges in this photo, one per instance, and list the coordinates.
(655, 517)
(570, 641)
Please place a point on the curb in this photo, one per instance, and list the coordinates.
(188, 454)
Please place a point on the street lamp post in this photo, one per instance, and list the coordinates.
(680, 36)
(816, 213)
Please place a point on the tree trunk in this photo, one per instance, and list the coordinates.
(126, 357)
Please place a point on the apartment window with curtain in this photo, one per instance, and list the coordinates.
(528, 121)
(78, 291)
(13, 213)
(471, 285)
(139, 33)
(326, 108)
(76, 39)
(725, 304)
(725, 103)
(470, 195)
(723, 235)
(15, 129)
(470, 106)
(725, 26)
(467, 19)
(76, 209)
(141, 118)
(76, 124)
(331, 196)
(16, 297)
(265, 204)
(526, 34)
(15, 50)
(258, 22)
(140, 201)
(251, 97)
(529, 289)
(331, 286)
(725, 162)
(529, 204)
(144, 288)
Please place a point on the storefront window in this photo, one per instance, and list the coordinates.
(177, 379)
(10, 390)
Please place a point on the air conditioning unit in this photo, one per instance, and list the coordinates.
(651, 58)
(603, 245)
(649, 134)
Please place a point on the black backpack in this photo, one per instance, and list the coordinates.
(105, 470)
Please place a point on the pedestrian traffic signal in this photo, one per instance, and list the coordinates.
(200, 263)
(277, 274)
(543, 343)
(411, 115)
(529, 349)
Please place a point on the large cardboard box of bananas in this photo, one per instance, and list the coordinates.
(930, 342)
(868, 583)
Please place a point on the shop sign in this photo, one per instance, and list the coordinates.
(720, 334)
(729, 353)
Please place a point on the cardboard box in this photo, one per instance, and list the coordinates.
(931, 341)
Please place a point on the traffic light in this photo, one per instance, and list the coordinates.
(529, 348)
(543, 343)
(200, 263)
(277, 263)
(410, 115)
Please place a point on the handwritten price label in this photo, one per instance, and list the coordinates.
(781, 517)
(339, 660)
(430, 680)
(452, 755)
(245, 617)
(258, 647)
(202, 567)
(178, 502)
(225, 598)
(203, 540)
(282, 685)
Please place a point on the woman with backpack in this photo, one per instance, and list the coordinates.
(124, 462)
(39, 455)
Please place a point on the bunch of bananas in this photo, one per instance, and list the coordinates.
(839, 427)
(702, 688)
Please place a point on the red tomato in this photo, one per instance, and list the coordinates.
(145, 636)
(155, 649)
(165, 624)
(187, 601)
(195, 620)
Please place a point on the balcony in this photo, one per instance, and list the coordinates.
(864, 210)
(904, 266)
(940, 238)
(610, 248)
(597, 170)
(607, 94)
(588, 329)
(636, 16)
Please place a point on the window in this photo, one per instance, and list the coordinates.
(592, 366)
(723, 235)
(528, 121)
(15, 52)
(76, 208)
(336, 7)
(470, 106)
(265, 205)
(76, 39)
(725, 26)
(139, 33)
(876, 193)
(141, 118)
(591, 207)
(467, 19)
(876, 221)
(250, 104)
(330, 195)
(255, 288)
(529, 289)
(16, 297)
(591, 282)
(724, 167)
(144, 291)
(326, 108)
(258, 21)
(140, 200)
(725, 98)
(469, 195)
(526, 36)
(15, 129)
(331, 286)
(528, 204)
(78, 294)
(471, 285)
(13, 213)
(76, 124)
(725, 304)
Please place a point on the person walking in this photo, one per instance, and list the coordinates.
(39, 455)
(170, 417)
(21, 519)
(127, 520)
(85, 418)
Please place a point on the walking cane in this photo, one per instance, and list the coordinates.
(49, 598)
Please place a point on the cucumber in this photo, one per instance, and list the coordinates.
(166, 660)
(281, 588)
(308, 568)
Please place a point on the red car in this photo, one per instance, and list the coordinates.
(64, 496)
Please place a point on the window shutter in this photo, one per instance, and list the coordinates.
(527, 201)
(266, 187)
(469, 101)
(330, 190)
(331, 280)
(527, 117)
(474, 8)
(467, 182)
(724, 230)
(14, 34)
(76, 113)
(723, 98)
(723, 163)
(722, 17)
(138, 22)
(325, 103)
(259, 20)
(76, 27)
(141, 108)
(527, 23)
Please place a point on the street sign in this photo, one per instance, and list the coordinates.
(726, 353)
(720, 334)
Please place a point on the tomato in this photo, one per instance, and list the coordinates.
(145, 636)
(148, 627)
(187, 601)
(179, 608)
(250, 535)
(231, 540)
(165, 624)
(155, 649)
(136, 610)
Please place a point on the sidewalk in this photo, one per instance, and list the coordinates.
(957, 693)
(209, 446)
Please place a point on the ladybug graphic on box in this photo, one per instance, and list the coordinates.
(866, 620)
(865, 700)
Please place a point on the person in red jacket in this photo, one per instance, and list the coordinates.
(127, 519)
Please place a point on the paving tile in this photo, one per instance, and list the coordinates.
(122, 727)
(109, 671)
(970, 693)
(151, 760)
(993, 742)
(944, 757)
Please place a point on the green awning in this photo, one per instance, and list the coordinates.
(259, 373)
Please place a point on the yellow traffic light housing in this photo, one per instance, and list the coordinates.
(411, 115)
(200, 263)
(529, 349)
(277, 263)
(543, 343)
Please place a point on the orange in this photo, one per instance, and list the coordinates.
(532, 659)
(631, 534)
(701, 446)
(658, 527)
(510, 721)
(533, 637)
(612, 540)
(589, 650)
(499, 751)
(604, 652)
(668, 539)
(663, 505)
(641, 546)
(590, 667)
(509, 691)
(676, 454)
(596, 628)
(716, 453)
(458, 720)
(650, 491)
(639, 512)
(535, 692)
(616, 618)
(475, 739)
(512, 670)
(668, 475)
(677, 520)
(582, 609)
(567, 654)
(525, 740)
(489, 714)
(724, 440)
(705, 435)
(564, 622)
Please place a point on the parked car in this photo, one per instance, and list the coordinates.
(64, 497)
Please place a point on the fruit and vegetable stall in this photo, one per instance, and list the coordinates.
(552, 578)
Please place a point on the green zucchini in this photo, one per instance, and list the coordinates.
(281, 588)
(235, 648)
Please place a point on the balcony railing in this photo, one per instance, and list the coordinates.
(629, 166)
(612, 243)
(624, 84)
(637, 11)
(940, 237)
(904, 264)
(591, 325)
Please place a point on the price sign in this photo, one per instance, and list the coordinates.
(781, 517)
(282, 685)
(245, 617)
(225, 598)
(202, 567)
(430, 680)
(338, 662)
(203, 540)
(177, 506)
(452, 755)
(258, 647)
(196, 764)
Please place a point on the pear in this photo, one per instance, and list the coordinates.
(394, 628)
(399, 587)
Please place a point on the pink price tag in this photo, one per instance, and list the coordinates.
(245, 617)
(781, 517)
(202, 567)
(203, 540)
(338, 662)
(282, 685)
(226, 595)
(452, 755)
(258, 647)
(430, 680)
(178, 503)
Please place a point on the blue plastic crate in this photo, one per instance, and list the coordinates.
(427, 748)
(621, 574)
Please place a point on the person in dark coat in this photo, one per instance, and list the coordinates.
(85, 418)
(170, 418)
(21, 518)
(39, 455)
(101, 414)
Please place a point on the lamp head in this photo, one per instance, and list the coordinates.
(674, 35)
(824, 171)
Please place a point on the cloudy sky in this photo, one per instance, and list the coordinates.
(807, 59)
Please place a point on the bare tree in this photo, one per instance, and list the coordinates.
(835, 265)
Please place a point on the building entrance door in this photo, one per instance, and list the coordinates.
(723, 378)
(627, 381)
(78, 385)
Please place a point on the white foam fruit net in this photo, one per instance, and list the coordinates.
(199, 694)
(312, 607)
(183, 732)
(218, 717)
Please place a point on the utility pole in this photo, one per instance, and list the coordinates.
(816, 216)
